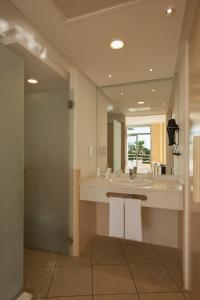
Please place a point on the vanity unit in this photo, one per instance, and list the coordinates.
(163, 192)
(161, 206)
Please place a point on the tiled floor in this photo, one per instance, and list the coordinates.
(111, 269)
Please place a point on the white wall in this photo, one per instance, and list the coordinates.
(102, 103)
(180, 113)
(181, 163)
(85, 118)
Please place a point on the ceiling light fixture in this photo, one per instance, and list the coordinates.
(117, 44)
(32, 81)
(122, 93)
(169, 11)
(110, 75)
(110, 107)
(139, 109)
(132, 109)
(150, 70)
(140, 102)
(153, 90)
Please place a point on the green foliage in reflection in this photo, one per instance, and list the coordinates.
(138, 151)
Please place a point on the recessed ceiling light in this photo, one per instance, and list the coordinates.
(140, 102)
(110, 107)
(150, 70)
(132, 109)
(169, 10)
(122, 93)
(110, 75)
(138, 109)
(32, 81)
(153, 90)
(117, 44)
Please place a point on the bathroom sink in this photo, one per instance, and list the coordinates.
(134, 182)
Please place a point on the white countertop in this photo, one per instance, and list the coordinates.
(162, 184)
(163, 192)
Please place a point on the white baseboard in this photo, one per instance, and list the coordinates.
(25, 296)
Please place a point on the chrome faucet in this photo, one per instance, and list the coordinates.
(132, 172)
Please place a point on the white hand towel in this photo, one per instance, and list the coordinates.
(133, 219)
(116, 217)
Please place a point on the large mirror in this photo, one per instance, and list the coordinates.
(132, 126)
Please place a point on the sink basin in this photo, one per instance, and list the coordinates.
(134, 182)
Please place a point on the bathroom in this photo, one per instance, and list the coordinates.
(100, 207)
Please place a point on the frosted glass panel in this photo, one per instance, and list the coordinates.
(11, 184)
(47, 171)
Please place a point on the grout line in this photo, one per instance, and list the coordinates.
(129, 269)
(61, 297)
(92, 272)
(51, 280)
(179, 289)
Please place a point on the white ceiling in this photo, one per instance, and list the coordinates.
(48, 79)
(151, 38)
(73, 9)
(141, 91)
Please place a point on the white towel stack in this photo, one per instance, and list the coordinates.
(125, 219)
(133, 219)
(116, 217)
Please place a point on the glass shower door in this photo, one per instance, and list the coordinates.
(48, 171)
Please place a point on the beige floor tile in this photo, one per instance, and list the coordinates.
(40, 258)
(107, 254)
(71, 281)
(131, 242)
(105, 240)
(112, 279)
(167, 254)
(37, 280)
(175, 270)
(162, 296)
(140, 253)
(152, 277)
(117, 297)
(72, 298)
(83, 260)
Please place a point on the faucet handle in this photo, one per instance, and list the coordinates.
(131, 171)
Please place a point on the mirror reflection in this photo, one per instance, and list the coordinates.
(132, 127)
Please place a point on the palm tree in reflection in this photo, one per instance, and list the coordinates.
(138, 151)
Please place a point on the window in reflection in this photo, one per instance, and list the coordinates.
(139, 147)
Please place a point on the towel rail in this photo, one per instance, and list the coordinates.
(123, 195)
